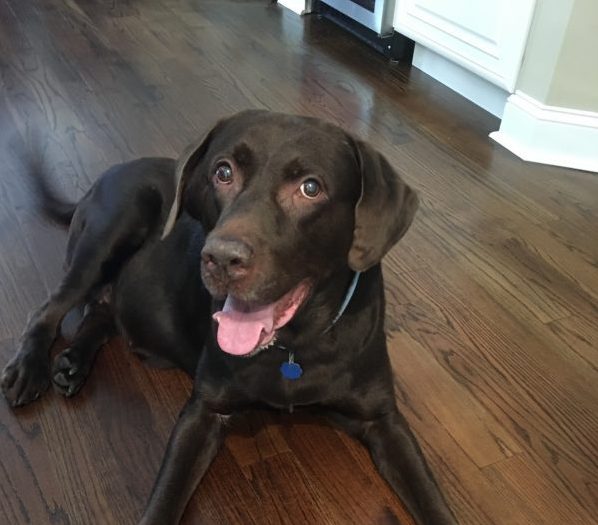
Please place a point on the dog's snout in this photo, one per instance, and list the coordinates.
(232, 257)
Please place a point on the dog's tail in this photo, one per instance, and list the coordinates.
(54, 207)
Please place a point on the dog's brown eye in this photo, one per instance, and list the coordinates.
(224, 173)
(311, 188)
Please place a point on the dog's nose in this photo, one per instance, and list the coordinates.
(233, 257)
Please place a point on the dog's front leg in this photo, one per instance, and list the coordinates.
(192, 446)
(400, 461)
(27, 374)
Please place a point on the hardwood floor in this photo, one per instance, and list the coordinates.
(492, 296)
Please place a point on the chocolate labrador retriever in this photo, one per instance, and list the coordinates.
(253, 263)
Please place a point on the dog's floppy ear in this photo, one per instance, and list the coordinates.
(184, 167)
(384, 211)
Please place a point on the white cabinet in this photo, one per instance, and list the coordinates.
(485, 36)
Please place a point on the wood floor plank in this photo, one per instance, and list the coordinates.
(22, 286)
(228, 497)
(474, 231)
(538, 391)
(355, 493)
(483, 439)
(477, 498)
(540, 493)
(29, 489)
(580, 336)
(492, 295)
(257, 437)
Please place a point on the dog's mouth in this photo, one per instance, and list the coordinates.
(245, 327)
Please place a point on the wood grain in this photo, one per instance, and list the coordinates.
(492, 295)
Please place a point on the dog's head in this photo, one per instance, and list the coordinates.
(287, 201)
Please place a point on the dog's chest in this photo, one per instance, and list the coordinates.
(275, 383)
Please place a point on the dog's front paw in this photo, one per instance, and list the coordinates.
(69, 372)
(24, 379)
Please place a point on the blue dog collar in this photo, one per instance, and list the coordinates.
(292, 370)
(346, 301)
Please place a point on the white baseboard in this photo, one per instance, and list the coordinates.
(297, 6)
(549, 134)
(473, 87)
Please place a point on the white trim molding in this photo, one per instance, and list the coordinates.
(469, 85)
(297, 6)
(549, 134)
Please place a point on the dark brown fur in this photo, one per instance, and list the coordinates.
(263, 238)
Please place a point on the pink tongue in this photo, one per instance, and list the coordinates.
(242, 329)
(240, 332)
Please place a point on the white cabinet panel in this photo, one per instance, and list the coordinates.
(485, 36)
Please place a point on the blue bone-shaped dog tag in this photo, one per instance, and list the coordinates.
(290, 370)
